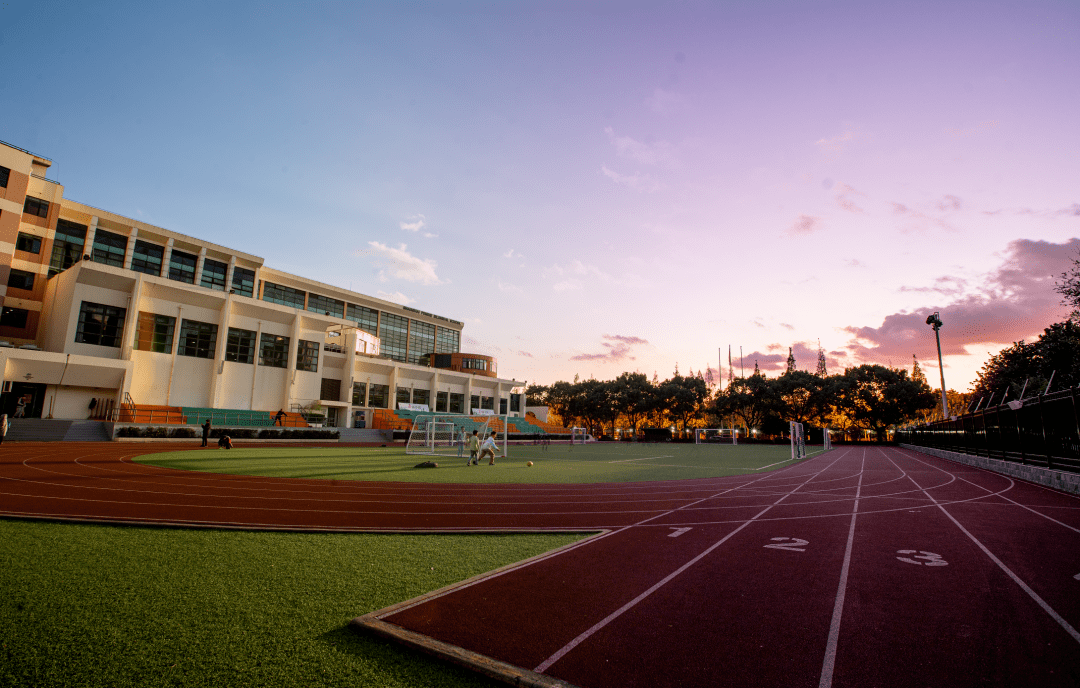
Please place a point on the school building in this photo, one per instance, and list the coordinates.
(103, 312)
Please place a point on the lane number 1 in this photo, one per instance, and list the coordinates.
(790, 544)
(922, 558)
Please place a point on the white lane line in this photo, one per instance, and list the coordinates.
(1001, 565)
(678, 531)
(829, 664)
(664, 581)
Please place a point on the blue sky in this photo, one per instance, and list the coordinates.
(594, 187)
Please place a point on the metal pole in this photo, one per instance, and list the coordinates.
(941, 369)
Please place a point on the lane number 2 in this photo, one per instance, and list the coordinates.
(922, 558)
(790, 544)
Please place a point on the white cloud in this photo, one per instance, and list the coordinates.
(666, 102)
(510, 288)
(429, 235)
(398, 263)
(512, 254)
(415, 224)
(657, 153)
(637, 182)
(395, 297)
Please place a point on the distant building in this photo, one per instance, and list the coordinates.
(100, 308)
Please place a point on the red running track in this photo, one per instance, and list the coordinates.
(859, 567)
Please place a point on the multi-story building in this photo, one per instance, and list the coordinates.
(99, 307)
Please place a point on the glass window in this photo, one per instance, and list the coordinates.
(474, 364)
(307, 356)
(441, 403)
(100, 324)
(213, 274)
(20, 279)
(147, 257)
(515, 403)
(447, 341)
(421, 340)
(502, 407)
(394, 336)
(367, 319)
(421, 396)
(67, 246)
(36, 206)
(274, 351)
(240, 346)
(197, 339)
(109, 248)
(243, 281)
(404, 395)
(325, 304)
(155, 332)
(13, 317)
(379, 396)
(286, 296)
(487, 403)
(457, 402)
(359, 393)
(182, 266)
(4, 174)
(28, 243)
(474, 402)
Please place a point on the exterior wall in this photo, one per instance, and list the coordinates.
(190, 382)
(73, 402)
(151, 382)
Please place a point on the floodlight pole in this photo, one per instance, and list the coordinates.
(935, 322)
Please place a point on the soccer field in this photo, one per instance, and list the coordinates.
(561, 463)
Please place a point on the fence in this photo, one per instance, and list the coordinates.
(1039, 431)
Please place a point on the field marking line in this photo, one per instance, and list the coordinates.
(1012, 484)
(1001, 565)
(647, 458)
(829, 663)
(990, 472)
(543, 666)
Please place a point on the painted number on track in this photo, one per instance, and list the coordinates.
(790, 544)
(678, 531)
(922, 558)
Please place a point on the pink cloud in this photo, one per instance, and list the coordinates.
(618, 349)
(804, 224)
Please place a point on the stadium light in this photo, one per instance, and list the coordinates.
(934, 321)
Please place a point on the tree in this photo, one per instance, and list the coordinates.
(749, 399)
(917, 373)
(633, 397)
(876, 397)
(1069, 288)
(790, 361)
(683, 398)
(801, 397)
(560, 400)
(536, 395)
(1026, 368)
(821, 361)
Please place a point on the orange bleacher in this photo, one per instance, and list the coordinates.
(144, 413)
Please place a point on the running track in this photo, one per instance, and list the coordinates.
(859, 567)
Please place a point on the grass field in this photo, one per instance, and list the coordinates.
(591, 463)
(86, 605)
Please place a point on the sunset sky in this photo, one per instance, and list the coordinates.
(595, 187)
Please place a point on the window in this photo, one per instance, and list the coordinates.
(367, 319)
(36, 206)
(182, 266)
(502, 407)
(359, 393)
(213, 274)
(28, 243)
(286, 296)
(487, 403)
(109, 248)
(274, 351)
(474, 402)
(307, 356)
(474, 364)
(404, 395)
(20, 279)
(197, 339)
(243, 281)
(394, 335)
(100, 324)
(421, 396)
(515, 403)
(379, 396)
(67, 246)
(4, 174)
(146, 257)
(421, 340)
(324, 304)
(457, 402)
(330, 390)
(13, 317)
(155, 332)
(240, 346)
(441, 402)
(447, 341)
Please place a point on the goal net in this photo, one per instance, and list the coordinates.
(578, 435)
(716, 436)
(442, 434)
(798, 440)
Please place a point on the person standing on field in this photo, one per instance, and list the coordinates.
(461, 443)
(205, 432)
(474, 449)
(489, 447)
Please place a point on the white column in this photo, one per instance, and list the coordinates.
(175, 348)
(349, 374)
(294, 344)
(199, 266)
(132, 320)
(88, 247)
(255, 373)
(219, 350)
(468, 394)
(165, 257)
(129, 253)
(229, 272)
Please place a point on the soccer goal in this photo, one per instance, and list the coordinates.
(578, 435)
(828, 439)
(716, 436)
(798, 440)
(441, 434)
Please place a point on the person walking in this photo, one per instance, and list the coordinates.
(279, 418)
(474, 449)
(489, 447)
(20, 408)
(3, 426)
(205, 432)
(461, 443)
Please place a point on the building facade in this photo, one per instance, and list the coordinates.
(101, 308)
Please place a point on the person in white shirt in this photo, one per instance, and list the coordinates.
(488, 447)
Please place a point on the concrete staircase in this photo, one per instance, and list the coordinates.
(41, 430)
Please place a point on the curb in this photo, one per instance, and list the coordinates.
(1058, 480)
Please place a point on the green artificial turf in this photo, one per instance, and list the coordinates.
(591, 463)
(86, 605)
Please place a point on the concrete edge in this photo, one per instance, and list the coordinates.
(1058, 480)
(482, 664)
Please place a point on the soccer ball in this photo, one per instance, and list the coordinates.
(530, 463)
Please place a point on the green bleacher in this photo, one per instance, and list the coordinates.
(228, 417)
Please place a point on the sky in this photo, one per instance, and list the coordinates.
(595, 187)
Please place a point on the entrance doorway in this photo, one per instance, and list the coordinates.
(32, 395)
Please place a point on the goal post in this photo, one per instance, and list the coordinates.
(798, 440)
(439, 434)
(716, 436)
(827, 438)
(578, 435)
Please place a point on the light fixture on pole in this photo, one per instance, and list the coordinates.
(935, 322)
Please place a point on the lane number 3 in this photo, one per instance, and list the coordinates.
(790, 544)
(922, 558)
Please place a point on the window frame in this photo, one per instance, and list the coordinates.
(213, 282)
(178, 269)
(5, 175)
(243, 281)
(108, 334)
(277, 346)
(38, 207)
(21, 315)
(106, 253)
(284, 295)
(196, 339)
(35, 239)
(142, 261)
(155, 333)
(307, 356)
(27, 279)
(235, 346)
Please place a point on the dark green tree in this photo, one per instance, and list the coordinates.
(634, 397)
(790, 361)
(876, 397)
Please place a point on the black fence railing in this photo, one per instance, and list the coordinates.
(1040, 431)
